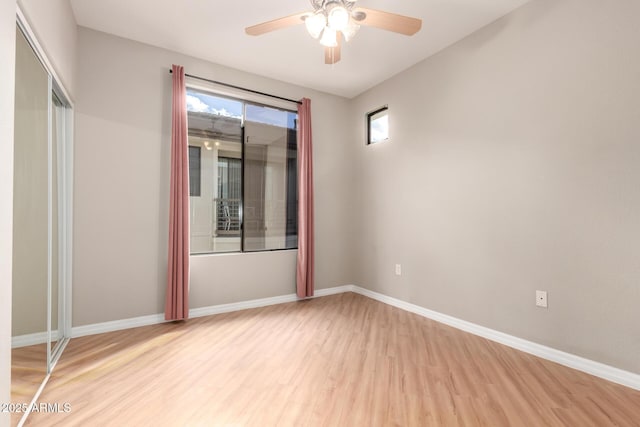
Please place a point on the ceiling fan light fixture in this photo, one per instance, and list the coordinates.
(350, 31)
(338, 18)
(329, 37)
(333, 22)
(315, 24)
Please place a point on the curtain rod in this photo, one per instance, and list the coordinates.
(240, 88)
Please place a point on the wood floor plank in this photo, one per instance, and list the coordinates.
(342, 360)
(28, 370)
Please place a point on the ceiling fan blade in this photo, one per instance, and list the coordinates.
(276, 24)
(388, 21)
(332, 54)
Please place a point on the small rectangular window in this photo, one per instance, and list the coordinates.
(378, 125)
(194, 171)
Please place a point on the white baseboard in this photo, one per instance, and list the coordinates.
(154, 319)
(32, 339)
(334, 291)
(244, 305)
(597, 369)
(116, 325)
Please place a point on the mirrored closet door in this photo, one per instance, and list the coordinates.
(41, 223)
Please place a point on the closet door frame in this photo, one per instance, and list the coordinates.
(64, 157)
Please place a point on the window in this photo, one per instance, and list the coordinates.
(378, 125)
(246, 164)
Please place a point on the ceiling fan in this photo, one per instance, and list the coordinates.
(332, 20)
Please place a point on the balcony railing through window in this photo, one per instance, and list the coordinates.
(227, 217)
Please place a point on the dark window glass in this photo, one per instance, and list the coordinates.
(194, 171)
(270, 179)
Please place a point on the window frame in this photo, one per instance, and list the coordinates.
(245, 102)
(369, 117)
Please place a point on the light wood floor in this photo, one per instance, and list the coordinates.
(28, 370)
(339, 360)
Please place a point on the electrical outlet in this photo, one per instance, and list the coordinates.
(398, 270)
(541, 299)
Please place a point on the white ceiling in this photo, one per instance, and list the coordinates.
(214, 30)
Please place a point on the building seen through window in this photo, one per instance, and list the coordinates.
(243, 175)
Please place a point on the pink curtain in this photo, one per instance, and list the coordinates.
(177, 300)
(305, 264)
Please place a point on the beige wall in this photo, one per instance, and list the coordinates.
(7, 71)
(513, 166)
(55, 27)
(122, 154)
